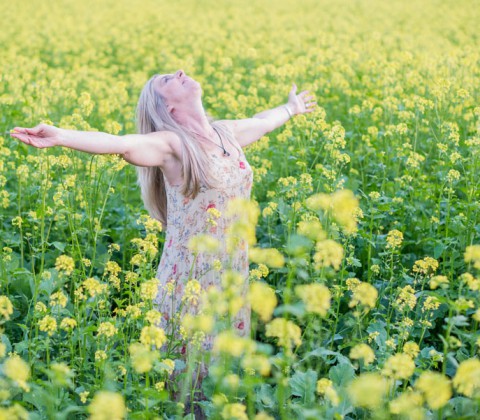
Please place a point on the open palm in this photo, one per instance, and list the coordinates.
(40, 136)
(301, 103)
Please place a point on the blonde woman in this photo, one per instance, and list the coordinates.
(186, 163)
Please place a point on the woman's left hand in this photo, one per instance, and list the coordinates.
(301, 103)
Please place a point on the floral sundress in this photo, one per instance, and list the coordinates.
(187, 217)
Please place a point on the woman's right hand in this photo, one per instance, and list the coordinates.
(41, 136)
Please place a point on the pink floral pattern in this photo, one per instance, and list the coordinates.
(187, 217)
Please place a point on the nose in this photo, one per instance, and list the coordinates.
(179, 73)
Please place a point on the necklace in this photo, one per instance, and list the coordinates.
(225, 153)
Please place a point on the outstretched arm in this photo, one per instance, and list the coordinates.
(249, 130)
(152, 149)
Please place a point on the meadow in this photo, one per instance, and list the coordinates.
(363, 228)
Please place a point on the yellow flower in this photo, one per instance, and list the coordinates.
(48, 324)
(436, 281)
(149, 289)
(65, 264)
(323, 384)
(17, 370)
(107, 329)
(365, 294)
(234, 411)
(435, 387)
(107, 405)
(406, 297)
(204, 243)
(256, 363)
(311, 229)
(6, 307)
(399, 366)
(408, 403)
(287, 332)
(268, 256)
(83, 396)
(472, 254)
(315, 296)
(367, 390)
(328, 253)
(411, 348)
(427, 266)
(100, 355)
(142, 357)
(394, 239)
(68, 324)
(152, 335)
(192, 292)
(229, 343)
(58, 298)
(362, 351)
(467, 378)
(342, 205)
(262, 299)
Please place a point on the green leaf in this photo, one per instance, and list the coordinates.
(303, 385)
(341, 374)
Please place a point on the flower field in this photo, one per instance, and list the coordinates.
(363, 228)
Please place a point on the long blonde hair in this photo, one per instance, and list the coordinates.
(152, 115)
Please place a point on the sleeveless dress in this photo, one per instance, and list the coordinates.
(187, 217)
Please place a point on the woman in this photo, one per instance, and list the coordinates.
(186, 164)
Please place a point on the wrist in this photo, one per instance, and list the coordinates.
(289, 110)
(60, 137)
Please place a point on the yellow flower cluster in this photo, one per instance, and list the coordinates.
(6, 307)
(427, 266)
(364, 294)
(399, 366)
(341, 205)
(394, 239)
(153, 336)
(472, 255)
(287, 332)
(325, 387)
(58, 298)
(203, 242)
(437, 281)
(48, 324)
(18, 371)
(107, 405)
(328, 253)
(311, 229)
(142, 357)
(362, 351)
(227, 342)
(107, 329)
(262, 299)
(65, 264)
(315, 296)
(406, 297)
(271, 257)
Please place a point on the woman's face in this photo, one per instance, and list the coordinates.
(177, 88)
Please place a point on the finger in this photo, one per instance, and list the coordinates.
(294, 87)
(311, 103)
(22, 137)
(19, 129)
(32, 130)
(303, 93)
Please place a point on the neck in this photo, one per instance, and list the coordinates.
(192, 116)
